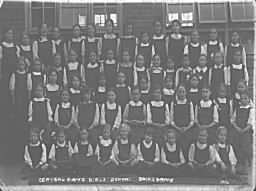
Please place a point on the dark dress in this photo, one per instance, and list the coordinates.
(176, 49)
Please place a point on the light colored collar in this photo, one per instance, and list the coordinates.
(213, 42)
(79, 39)
(147, 145)
(144, 91)
(155, 37)
(41, 99)
(128, 36)
(58, 41)
(37, 73)
(25, 47)
(110, 62)
(111, 106)
(245, 106)
(120, 85)
(201, 146)
(195, 44)
(222, 100)
(91, 39)
(132, 103)
(218, 67)
(61, 144)
(74, 91)
(8, 44)
(156, 70)
(124, 141)
(176, 36)
(186, 69)
(181, 101)
(237, 66)
(140, 69)
(92, 65)
(204, 69)
(193, 90)
(102, 89)
(110, 36)
(171, 148)
(221, 145)
(170, 70)
(168, 91)
(66, 105)
(35, 145)
(51, 87)
(21, 72)
(43, 39)
(105, 142)
(157, 103)
(84, 143)
(205, 104)
(235, 45)
(144, 44)
(73, 65)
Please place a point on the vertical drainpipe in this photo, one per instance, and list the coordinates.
(27, 15)
(121, 20)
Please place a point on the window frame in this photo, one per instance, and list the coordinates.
(212, 13)
(193, 21)
(43, 7)
(72, 7)
(244, 19)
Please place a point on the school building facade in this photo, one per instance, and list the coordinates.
(225, 16)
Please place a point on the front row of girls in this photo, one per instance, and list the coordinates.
(121, 156)
(181, 115)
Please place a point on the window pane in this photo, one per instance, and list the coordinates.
(249, 10)
(36, 5)
(82, 20)
(49, 16)
(205, 12)
(173, 16)
(66, 18)
(37, 15)
(113, 16)
(99, 20)
(237, 11)
(173, 8)
(49, 5)
(219, 12)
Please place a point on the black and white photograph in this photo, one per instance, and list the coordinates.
(116, 95)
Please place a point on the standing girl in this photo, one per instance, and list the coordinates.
(44, 48)
(160, 43)
(59, 44)
(58, 65)
(202, 71)
(194, 49)
(194, 90)
(53, 89)
(139, 71)
(101, 91)
(146, 49)
(129, 42)
(91, 43)
(110, 68)
(92, 71)
(168, 90)
(109, 40)
(126, 67)
(176, 44)
(235, 45)
(26, 48)
(156, 72)
(75, 92)
(183, 73)
(76, 43)
(213, 45)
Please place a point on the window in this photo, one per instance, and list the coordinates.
(212, 12)
(71, 14)
(42, 12)
(103, 11)
(242, 11)
(99, 20)
(182, 12)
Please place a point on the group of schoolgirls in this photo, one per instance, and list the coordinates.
(173, 84)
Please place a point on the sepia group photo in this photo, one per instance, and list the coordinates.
(141, 95)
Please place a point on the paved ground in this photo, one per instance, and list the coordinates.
(10, 174)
